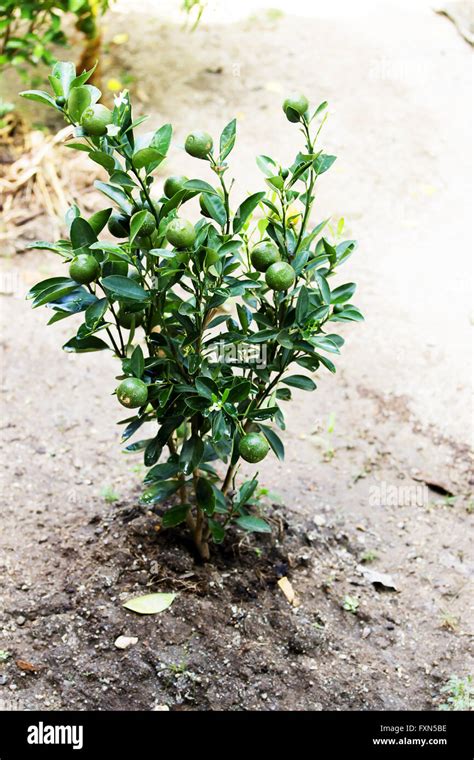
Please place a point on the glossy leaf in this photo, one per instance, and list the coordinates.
(124, 289)
(245, 209)
(253, 524)
(227, 139)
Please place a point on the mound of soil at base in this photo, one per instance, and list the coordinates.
(230, 641)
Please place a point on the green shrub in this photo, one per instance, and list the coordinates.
(207, 341)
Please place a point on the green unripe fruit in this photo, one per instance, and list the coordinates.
(284, 173)
(198, 144)
(95, 120)
(114, 267)
(174, 184)
(253, 447)
(148, 225)
(127, 318)
(84, 269)
(263, 255)
(295, 106)
(60, 101)
(119, 225)
(132, 393)
(180, 233)
(280, 276)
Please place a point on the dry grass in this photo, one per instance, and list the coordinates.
(44, 179)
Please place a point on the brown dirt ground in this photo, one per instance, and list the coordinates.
(231, 641)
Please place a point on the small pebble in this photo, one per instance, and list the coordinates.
(124, 642)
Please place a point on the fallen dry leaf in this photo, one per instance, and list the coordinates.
(288, 591)
(382, 581)
(28, 667)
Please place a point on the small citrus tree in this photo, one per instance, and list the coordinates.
(206, 319)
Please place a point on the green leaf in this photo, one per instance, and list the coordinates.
(53, 293)
(206, 387)
(239, 392)
(263, 336)
(82, 78)
(348, 314)
(137, 362)
(300, 381)
(246, 491)
(78, 146)
(276, 182)
(115, 194)
(115, 251)
(323, 287)
(95, 312)
(253, 524)
(267, 165)
(51, 282)
(103, 159)
(284, 339)
(245, 209)
(40, 97)
(191, 453)
(152, 452)
(343, 292)
(263, 414)
(146, 157)
(322, 106)
(124, 289)
(82, 234)
(65, 73)
(306, 242)
(205, 496)
(98, 220)
(150, 604)
(91, 343)
(162, 471)
(119, 177)
(227, 140)
(345, 249)
(325, 343)
(302, 305)
(161, 139)
(217, 530)
(138, 445)
(56, 86)
(274, 440)
(79, 99)
(136, 224)
(322, 163)
(200, 186)
(330, 252)
(73, 302)
(214, 208)
(175, 515)
(159, 491)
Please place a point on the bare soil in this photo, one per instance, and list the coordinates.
(74, 544)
